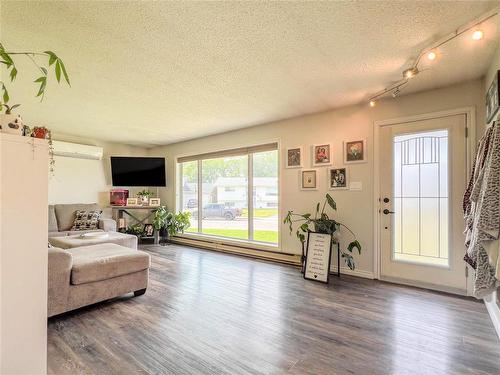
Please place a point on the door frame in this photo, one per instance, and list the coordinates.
(470, 123)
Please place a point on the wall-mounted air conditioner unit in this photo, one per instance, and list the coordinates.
(75, 150)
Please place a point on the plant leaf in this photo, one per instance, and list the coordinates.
(44, 70)
(5, 94)
(65, 74)
(40, 79)
(354, 245)
(13, 73)
(52, 57)
(331, 202)
(58, 71)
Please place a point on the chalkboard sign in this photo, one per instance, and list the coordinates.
(319, 252)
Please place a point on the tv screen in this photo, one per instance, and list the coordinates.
(138, 171)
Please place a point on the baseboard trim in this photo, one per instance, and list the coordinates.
(439, 288)
(291, 259)
(358, 273)
(494, 311)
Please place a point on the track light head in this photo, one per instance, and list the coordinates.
(372, 103)
(410, 73)
(431, 56)
(477, 34)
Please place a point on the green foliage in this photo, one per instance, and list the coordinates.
(136, 229)
(322, 223)
(160, 217)
(145, 193)
(172, 222)
(53, 60)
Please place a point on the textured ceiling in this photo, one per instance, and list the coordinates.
(150, 73)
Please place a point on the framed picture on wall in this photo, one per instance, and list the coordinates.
(355, 151)
(338, 178)
(294, 157)
(322, 155)
(493, 99)
(308, 179)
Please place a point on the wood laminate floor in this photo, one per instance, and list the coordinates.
(212, 313)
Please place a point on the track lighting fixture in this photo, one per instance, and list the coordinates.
(431, 54)
(477, 34)
(410, 73)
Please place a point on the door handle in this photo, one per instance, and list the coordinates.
(387, 212)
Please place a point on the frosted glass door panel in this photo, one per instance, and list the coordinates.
(420, 220)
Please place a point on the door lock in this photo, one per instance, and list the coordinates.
(386, 200)
(387, 212)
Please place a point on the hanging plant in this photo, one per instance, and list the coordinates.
(52, 60)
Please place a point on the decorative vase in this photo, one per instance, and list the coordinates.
(11, 124)
(163, 236)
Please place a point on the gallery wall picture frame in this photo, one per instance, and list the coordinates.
(355, 151)
(132, 202)
(321, 154)
(154, 202)
(149, 230)
(308, 179)
(493, 98)
(318, 257)
(338, 178)
(294, 157)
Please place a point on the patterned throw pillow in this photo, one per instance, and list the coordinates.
(86, 220)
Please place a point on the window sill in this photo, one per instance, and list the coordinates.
(254, 245)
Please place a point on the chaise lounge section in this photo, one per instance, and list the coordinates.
(89, 274)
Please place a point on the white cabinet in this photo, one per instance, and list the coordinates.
(23, 255)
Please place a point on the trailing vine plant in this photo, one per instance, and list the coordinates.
(53, 60)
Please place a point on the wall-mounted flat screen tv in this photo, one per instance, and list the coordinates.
(138, 171)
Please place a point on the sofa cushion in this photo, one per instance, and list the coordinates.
(65, 213)
(105, 261)
(52, 219)
(57, 234)
(86, 220)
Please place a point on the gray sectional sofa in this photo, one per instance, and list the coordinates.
(84, 275)
(62, 216)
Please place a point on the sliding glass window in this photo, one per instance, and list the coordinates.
(232, 194)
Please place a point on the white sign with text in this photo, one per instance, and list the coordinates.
(318, 256)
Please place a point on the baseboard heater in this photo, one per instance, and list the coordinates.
(292, 259)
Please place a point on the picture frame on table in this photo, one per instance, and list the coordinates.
(321, 155)
(294, 157)
(338, 178)
(154, 202)
(355, 151)
(149, 230)
(308, 179)
(132, 202)
(493, 98)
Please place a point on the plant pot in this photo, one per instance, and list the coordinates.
(164, 237)
(325, 226)
(42, 133)
(11, 124)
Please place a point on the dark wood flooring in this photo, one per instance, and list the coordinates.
(211, 313)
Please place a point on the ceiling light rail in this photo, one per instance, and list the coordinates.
(431, 53)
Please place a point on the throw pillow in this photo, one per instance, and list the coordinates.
(86, 220)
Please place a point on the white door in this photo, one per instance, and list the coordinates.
(423, 175)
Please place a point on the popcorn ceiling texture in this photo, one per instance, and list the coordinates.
(152, 73)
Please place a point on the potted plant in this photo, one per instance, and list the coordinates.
(144, 196)
(322, 223)
(168, 224)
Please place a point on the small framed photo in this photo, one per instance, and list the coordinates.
(149, 230)
(294, 157)
(338, 178)
(154, 202)
(132, 202)
(322, 155)
(355, 151)
(309, 179)
(493, 99)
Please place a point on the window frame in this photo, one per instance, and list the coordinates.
(247, 150)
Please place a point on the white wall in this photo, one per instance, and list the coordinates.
(354, 208)
(86, 181)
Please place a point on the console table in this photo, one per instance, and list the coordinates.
(120, 212)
